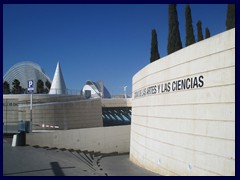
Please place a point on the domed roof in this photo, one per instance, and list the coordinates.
(25, 71)
(98, 90)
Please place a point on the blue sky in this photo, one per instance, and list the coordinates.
(109, 42)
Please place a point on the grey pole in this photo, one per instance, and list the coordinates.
(31, 97)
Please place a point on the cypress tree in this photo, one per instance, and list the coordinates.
(207, 33)
(48, 86)
(16, 89)
(154, 47)
(6, 87)
(174, 39)
(230, 21)
(199, 30)
(40, 86)
(190, 39)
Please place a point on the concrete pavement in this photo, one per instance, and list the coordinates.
(44, 161)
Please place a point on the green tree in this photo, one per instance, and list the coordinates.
(207, 33)
(6, 88)
(190, 39)
(154, 47)
(16, 89)
(230, 21)
(199, 30)
(40, 86)
(174, 39)
(48, 86)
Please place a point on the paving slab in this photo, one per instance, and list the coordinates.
(44, 161)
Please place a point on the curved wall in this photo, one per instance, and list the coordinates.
(183, 110)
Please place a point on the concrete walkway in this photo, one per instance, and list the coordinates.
(42, 161)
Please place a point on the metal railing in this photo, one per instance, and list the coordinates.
(65, 91)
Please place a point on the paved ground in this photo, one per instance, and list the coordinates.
(42, 161)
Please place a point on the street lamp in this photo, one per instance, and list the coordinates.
(125, 91)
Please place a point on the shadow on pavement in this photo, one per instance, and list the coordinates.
(57, 170)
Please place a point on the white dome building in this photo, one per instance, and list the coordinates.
(25, 71)
(95, 90)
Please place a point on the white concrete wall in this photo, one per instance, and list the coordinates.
(101, 139)
(61, 111)
(191, 131)
(10, 115)
(10, 110)
(65, 115)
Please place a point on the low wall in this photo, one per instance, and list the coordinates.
(62, 111)
(183, 110)
(64, 115)
(101, 139)
(118, 102)
(10, 115)
(51, 112)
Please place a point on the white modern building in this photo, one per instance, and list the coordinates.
(25, 71)
(95, 90)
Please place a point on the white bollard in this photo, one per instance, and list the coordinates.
(14, 141)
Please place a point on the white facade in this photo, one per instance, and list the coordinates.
(96, 89)
(183, 110)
